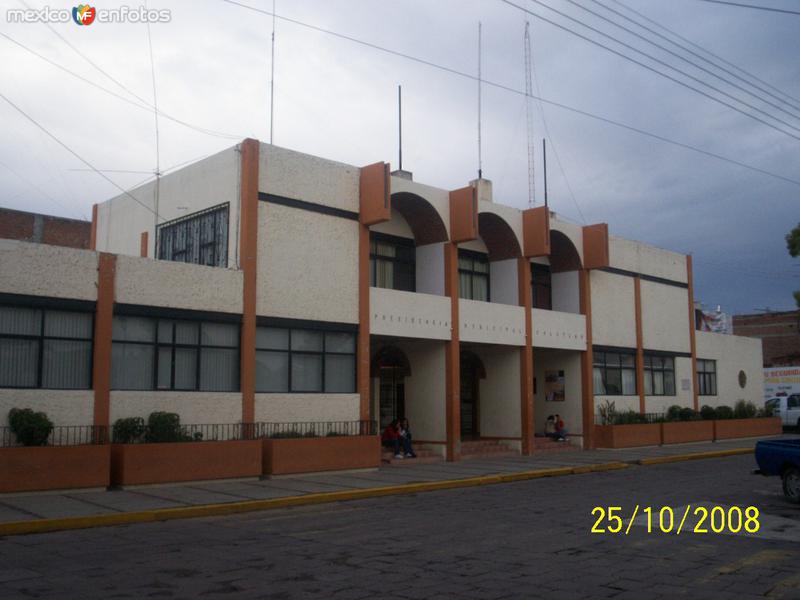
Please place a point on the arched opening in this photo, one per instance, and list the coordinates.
(556, 286)
(500, 240)
(472, 371)
(425, 223)
(390, 367)
(563, 253)
(488, 266)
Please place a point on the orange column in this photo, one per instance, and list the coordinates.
(692, 326)
(587, 376)
(526, 358)
(103, 320)
(93, 232)
(637, 298)
(143, 244)
(452, 355)
(362, 369)
(248, 262)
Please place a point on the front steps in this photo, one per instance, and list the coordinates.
(424, 457)
(486, 449)
(545, 444)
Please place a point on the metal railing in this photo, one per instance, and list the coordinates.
(629, 418)
(310, 429)
(60, 435)
(206, 432)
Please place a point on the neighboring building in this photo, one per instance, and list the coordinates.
(294, 288)
(44, 229)
(779, 333)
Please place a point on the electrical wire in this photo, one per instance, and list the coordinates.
(507, 88)
(75, 154)
(656, 71)
(38, 189)
(754, 6)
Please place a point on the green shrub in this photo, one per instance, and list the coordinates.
(164, 427)
(723, 412)
(129, 430)
(674, 413)
(767, 411)
(687, 414)
(629, 417)
(31, 428)
(292, 433)
(708, 413)
(334, 434)
(744, 410)
(310, 433)
(608, 412)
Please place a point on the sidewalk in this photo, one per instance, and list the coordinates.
(48, 511)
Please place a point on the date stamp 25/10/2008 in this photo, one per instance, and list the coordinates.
(705, 520)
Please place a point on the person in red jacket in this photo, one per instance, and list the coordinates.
(391, 438)
(561, 429)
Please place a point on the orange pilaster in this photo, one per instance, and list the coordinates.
(144, 244)
(362, 369)
(452, 356)
(93, 232)
(248, 261)
(637, 300)
(103, 321)
(528, 426)
(692, 327)
(587, 375)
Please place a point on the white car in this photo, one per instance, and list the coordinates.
(787, 408)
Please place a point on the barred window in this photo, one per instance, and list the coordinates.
(200, 238)
(392, 262)
(614, 373)
(305, 360)
(172, 354)
(706, 377)
(42, 348)
(659, 375)
(473, 276)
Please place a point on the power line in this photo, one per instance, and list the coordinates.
(675, 54)
(691, 43)
(144, 106)
(38, 189)
(768, 8)
(654, 70)
(507, 88)
(75, 154)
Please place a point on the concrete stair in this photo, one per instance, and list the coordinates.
(544, 444)
(486, 449)
(424, 457)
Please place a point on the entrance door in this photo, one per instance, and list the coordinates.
(469, 404)
(392, 395)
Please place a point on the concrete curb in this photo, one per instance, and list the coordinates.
(694, 456)
(230, 508)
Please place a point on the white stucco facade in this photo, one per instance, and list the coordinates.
(733, 354)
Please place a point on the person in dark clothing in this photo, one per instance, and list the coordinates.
(405, 439)
(391, 438)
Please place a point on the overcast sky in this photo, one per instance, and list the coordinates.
(337, 99)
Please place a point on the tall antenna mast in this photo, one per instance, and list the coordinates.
(480, 157)
(544, 170)
(158, 151)
(272, 78)
(400, 126)
(529, 115)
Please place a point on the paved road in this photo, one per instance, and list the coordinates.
(527, 539)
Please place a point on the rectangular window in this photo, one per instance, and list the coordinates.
(473, 275)
(200, 238)
(614, 373)
(392, 262)
(300, 360)
(706, 377)
(42, 348)
(541, 289)
(171, 354)
(659, 375)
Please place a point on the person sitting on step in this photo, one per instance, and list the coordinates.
(550, 427)
(405, 438)
(561, 429)
(391, 438)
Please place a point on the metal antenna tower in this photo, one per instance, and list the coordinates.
(529, 115)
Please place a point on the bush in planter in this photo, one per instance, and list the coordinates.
(744, 410)
(630, 417)
(723, 412)
(129, 430)
(765, 412)
(164, 427)
(31, 428)
(687, 414)
(708, 413)
(292, 433)
(674, 413)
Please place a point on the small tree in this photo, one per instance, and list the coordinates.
(31, 428)
(793, 246)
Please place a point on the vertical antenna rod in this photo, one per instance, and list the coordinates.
(529, 115)
(158, 151)
(544, 158)
(480, 157)
(400, 126)
(272, 78)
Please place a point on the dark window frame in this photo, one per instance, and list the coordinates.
(605, 368)
(706, 380)
(474, 257)
(40, 338)
(322, 353)
(173, 345)
(544, 282)
(649, 369)
(219, 246)
(374, 257)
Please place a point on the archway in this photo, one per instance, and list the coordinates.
(423, 219)
(472, 371)
(390, 367)
(500, 240)
(563, 253)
